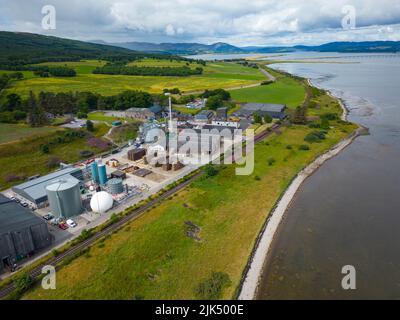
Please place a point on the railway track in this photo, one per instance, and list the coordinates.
(37, 271)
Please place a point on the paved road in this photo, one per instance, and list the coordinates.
(268, 75)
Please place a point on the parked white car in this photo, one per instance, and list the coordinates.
(71, 223)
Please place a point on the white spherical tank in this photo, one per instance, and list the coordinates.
(101, 202)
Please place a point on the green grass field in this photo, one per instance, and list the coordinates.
(185, 110)
(100, 116)
(13, 132)
(285, 91)
(216, 75)
(24, 158)
(81, 67)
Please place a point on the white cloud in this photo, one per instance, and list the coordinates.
(240, 22)
(170, 30)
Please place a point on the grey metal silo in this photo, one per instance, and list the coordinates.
(65, 198)
(115, 186)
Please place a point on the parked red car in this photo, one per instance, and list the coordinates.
(63, 226)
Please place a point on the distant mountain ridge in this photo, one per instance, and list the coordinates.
(177, 48)
(221, 47)
(20, 48)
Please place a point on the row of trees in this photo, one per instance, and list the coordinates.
(120, 69)
(46, 71)
(6, 78)
(259, 119)
(10, 111)
(15, 109)
(216, 98)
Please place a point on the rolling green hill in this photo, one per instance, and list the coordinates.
(18, 49)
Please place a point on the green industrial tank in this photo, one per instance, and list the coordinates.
(115, 186)
(65, 198)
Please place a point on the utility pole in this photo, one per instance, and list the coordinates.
(170, 112)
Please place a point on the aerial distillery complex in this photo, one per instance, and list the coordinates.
(46, 211)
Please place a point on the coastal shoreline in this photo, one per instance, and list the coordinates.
(259, 256)
(345, 112)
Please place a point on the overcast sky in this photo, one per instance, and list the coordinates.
(239, 22)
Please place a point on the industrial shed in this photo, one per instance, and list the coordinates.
(276, 111)
(35, 190)
(21, 233)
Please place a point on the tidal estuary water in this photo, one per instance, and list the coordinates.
(348, 212)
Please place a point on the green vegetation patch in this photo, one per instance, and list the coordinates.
(285, 91)
(125, 132)
(215, 75)
(13, 132)
(30, 156)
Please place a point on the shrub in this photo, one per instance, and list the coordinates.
(304, 147)
(267, 118)
(266, 82)
(315, 136)
(85, 234)
(257, 118)
(271, 161)
(89, 126)
(257, 178)
(314, 125)
(23, 283)
(330, 116)
(325, 124)
(55, 253)
(289, 147)
(210, 170)
(86, 153)
(44, 148)
(82, 115)
(53, 162)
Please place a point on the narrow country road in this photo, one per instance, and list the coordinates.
(268, 75)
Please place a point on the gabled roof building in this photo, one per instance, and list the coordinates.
(21, 233)
(35, 189)
(276, 111)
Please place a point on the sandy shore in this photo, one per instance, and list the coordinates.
(249, 286)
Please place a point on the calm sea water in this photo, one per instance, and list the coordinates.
(348, 212)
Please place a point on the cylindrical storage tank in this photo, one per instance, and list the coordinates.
(101, 202)
(102, 174)
(115, 186)
(65, 198)
(95, 172)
